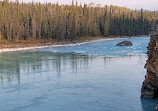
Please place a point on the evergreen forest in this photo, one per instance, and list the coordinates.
(21, 21)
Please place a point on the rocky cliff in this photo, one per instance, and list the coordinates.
(150, 85)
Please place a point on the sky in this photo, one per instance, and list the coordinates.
(133, 4)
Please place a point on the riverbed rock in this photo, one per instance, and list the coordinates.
(156, 107)
(150, 84)
(125, 43)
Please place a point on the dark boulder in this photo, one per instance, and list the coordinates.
(125, 43)
(147, 91)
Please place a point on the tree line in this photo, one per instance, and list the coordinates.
(21, 21)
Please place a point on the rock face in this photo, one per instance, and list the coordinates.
(125, 43)
(150, 85)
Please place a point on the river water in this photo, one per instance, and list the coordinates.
(91, 77)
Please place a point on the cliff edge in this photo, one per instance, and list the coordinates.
(150, 84)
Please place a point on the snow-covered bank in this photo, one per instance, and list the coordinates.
(47, 46)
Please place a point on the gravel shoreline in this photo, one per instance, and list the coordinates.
(3, 50)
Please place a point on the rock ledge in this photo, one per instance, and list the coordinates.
(150, 84)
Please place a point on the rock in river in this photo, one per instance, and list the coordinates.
(125, 43)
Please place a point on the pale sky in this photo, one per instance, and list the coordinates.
(133, 4)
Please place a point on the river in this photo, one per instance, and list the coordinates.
(92, 77)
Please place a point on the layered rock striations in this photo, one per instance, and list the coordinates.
(150, 84)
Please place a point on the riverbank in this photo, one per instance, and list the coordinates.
(21, 45)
